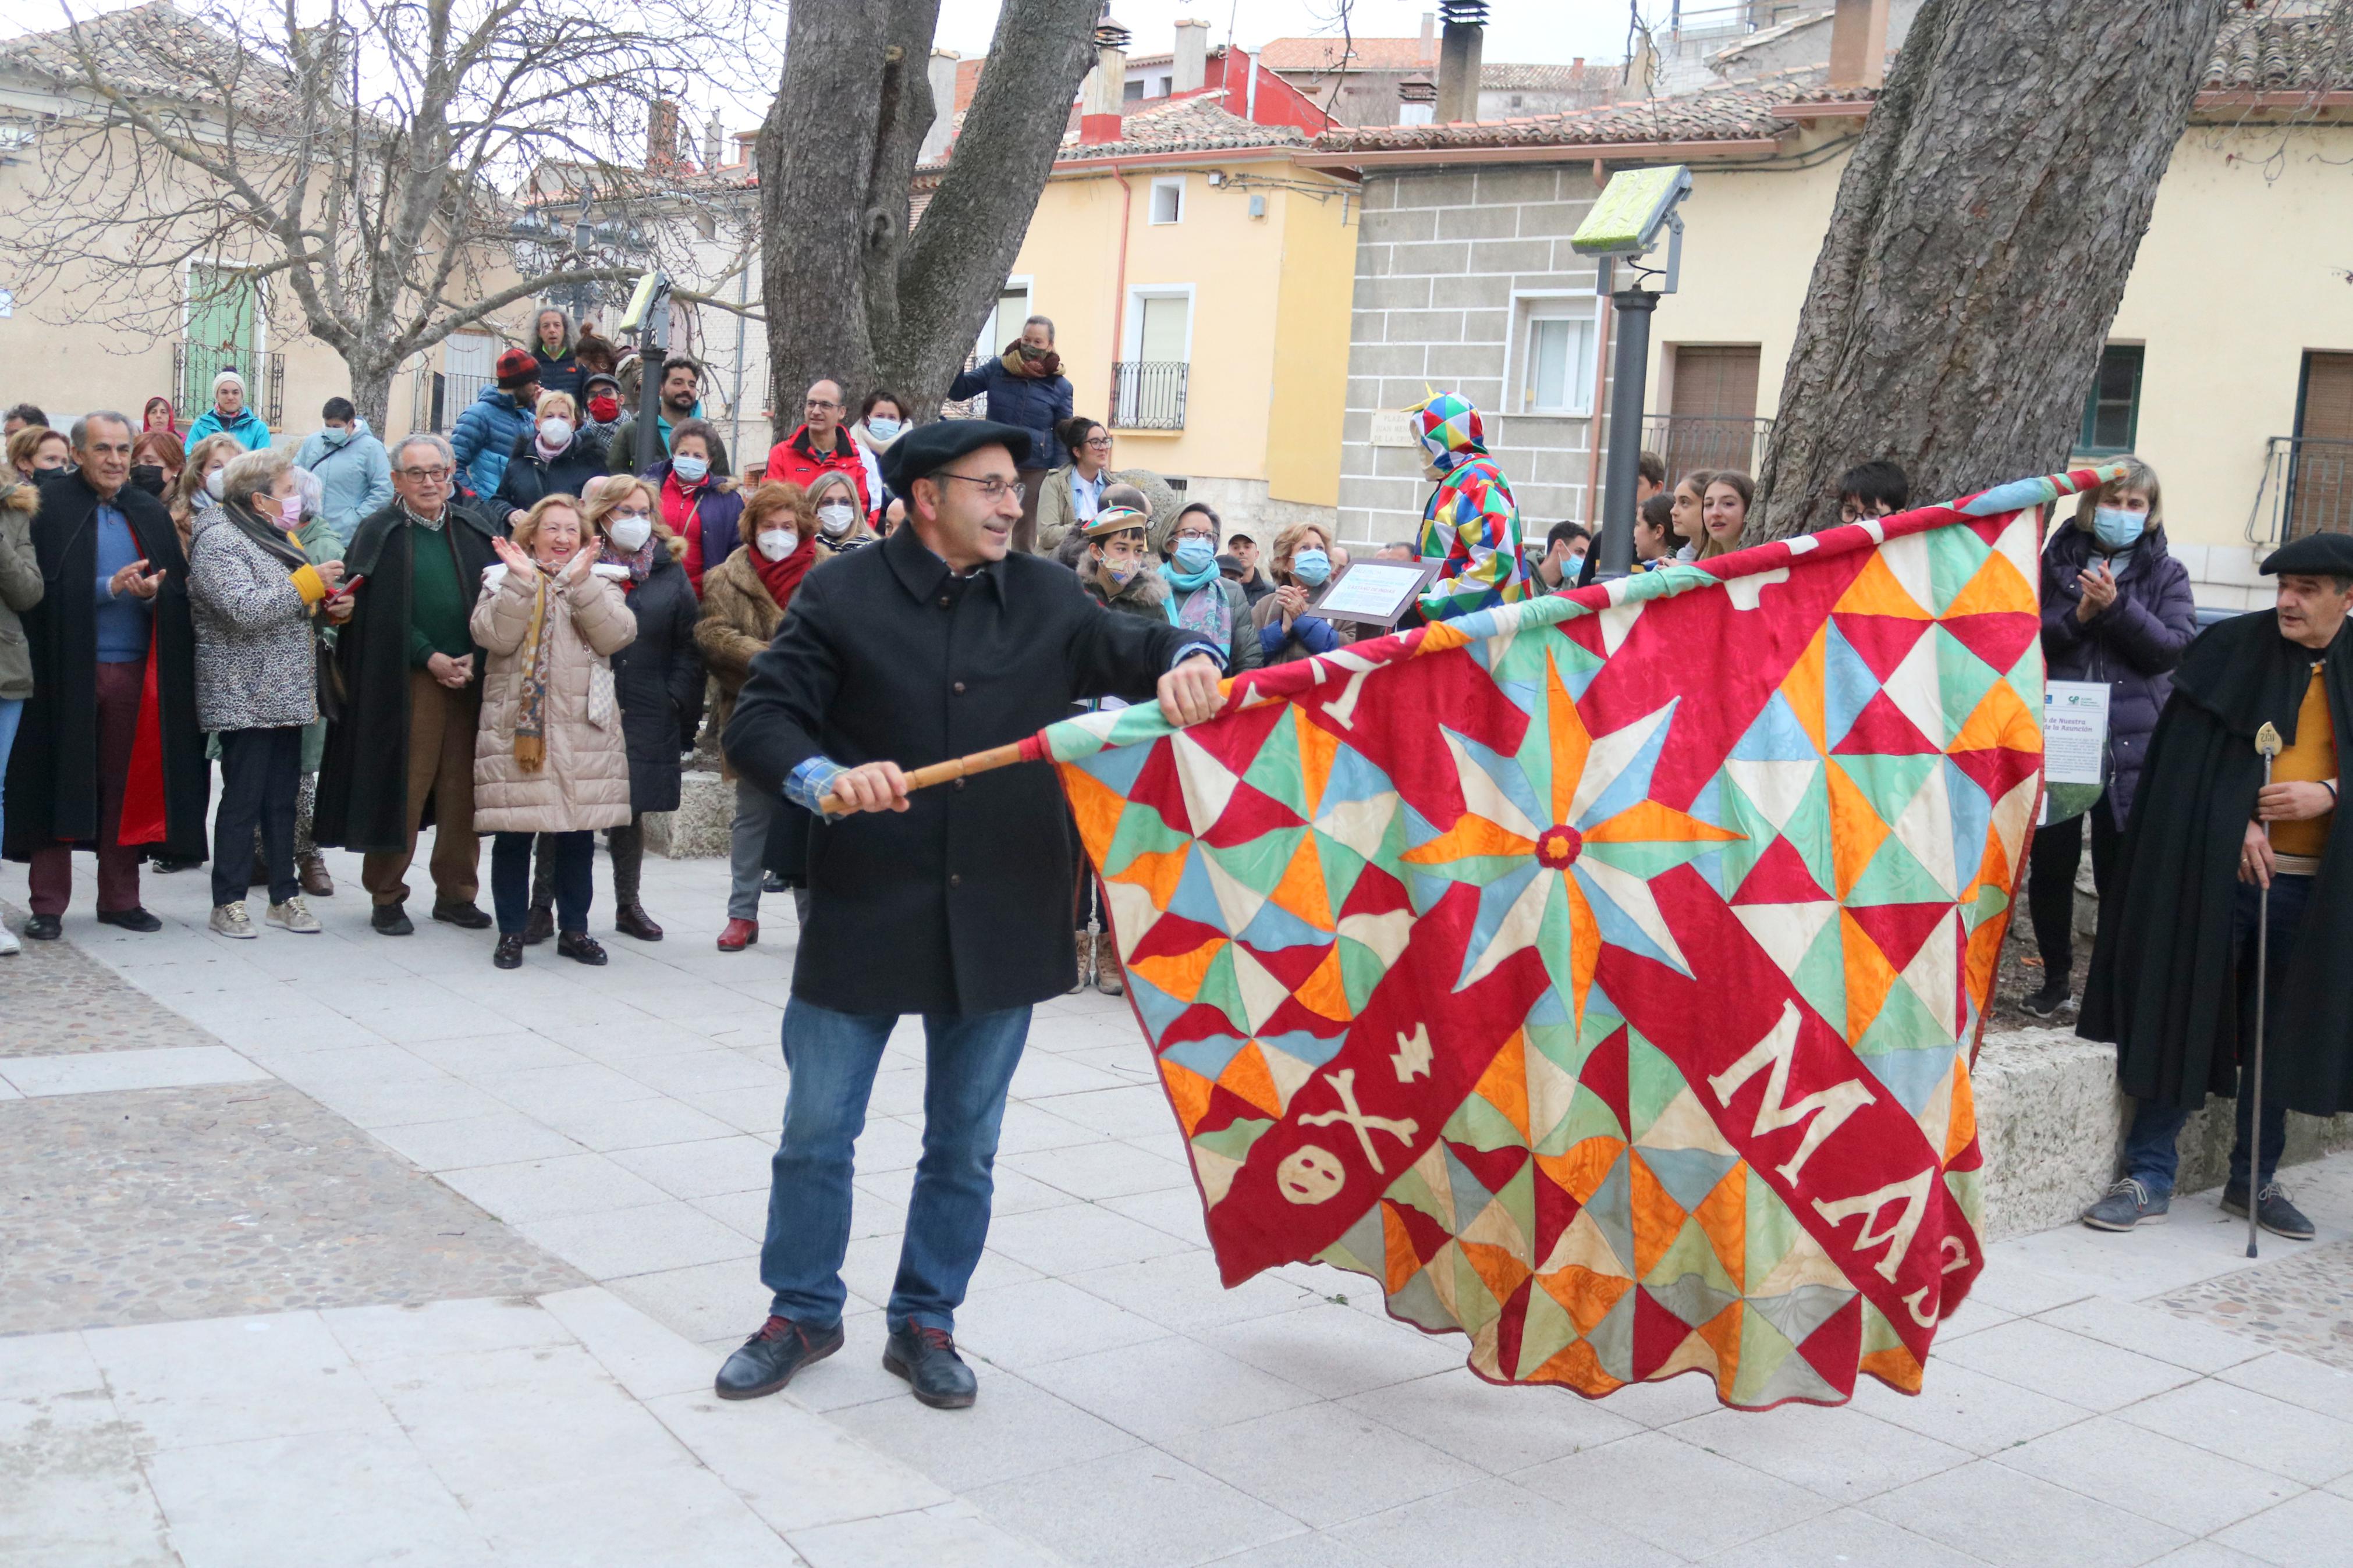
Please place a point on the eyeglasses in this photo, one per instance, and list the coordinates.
(1184, 534)
(818, 405)
(425, 475)
(991, 491)
(1099, 443)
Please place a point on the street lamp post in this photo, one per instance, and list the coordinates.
(1624, 225)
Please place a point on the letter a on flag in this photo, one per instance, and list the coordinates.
(1599, 974)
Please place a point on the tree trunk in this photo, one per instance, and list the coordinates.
(1985, 227)
(849, 294)
(371, 394)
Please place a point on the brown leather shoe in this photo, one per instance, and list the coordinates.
(1108, 975)
(539, 925)
(312, 870)
(739, 935)
(631, 920)
(1078, 983)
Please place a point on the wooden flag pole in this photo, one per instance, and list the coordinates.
(960, 767)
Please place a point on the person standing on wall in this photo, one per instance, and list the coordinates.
(1027, 390)
(230, 415)
(500, 416)
(107, 753)
(952, 903)
(681, 400)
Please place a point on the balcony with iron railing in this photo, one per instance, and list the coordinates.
(1148, 395)
(438, 397)
(2306, 488)
(1687, 442)
(194, 365)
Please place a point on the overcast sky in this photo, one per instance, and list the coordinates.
(1542, 31)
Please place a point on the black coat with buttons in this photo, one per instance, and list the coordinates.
(962, 903)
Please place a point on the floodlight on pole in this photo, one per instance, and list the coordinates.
(1624, 225)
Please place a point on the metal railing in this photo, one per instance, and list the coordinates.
(2307, 487)
(1147, 395)
(438, 397)
(194, 365)
(1689, 441)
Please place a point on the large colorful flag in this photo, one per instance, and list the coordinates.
(1599, 972)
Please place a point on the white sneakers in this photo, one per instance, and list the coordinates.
(294, 915)
(230, 920)
(9, 946)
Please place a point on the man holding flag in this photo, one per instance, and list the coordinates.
(953, 904)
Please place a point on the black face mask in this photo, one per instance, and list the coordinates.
(148, 477)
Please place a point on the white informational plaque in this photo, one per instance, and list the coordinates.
(1375, 593)
(2074, 730)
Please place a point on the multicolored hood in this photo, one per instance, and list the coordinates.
(1448, 429)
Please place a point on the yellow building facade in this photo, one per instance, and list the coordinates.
(1226, 270)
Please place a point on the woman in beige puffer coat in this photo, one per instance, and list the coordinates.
(550, 756)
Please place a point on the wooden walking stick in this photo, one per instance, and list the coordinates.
(2268, 747)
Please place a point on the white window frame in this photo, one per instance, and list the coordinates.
(1132, 333)
(1022, 281)
(1529, 306)
(1152, 203)
(188, 265)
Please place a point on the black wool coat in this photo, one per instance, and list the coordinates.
(52, 774)
(2163, 984)
(658, 680)
(962, 903)
(529, 477)
(362, 802)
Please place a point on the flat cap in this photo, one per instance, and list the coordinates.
(928, 449)
(2315, 555)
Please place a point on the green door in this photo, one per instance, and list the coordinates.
(220, 334)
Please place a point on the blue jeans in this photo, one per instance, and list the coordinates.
(969, 1063)
(11, 710)
(2150, 1155)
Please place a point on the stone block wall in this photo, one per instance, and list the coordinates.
(1439, 257)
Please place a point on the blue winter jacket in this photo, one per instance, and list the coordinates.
(355, 475)
(2133, 644)
(484, 436)
(251, 430)
(1035, 403)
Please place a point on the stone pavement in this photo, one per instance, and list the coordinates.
(602, 1136)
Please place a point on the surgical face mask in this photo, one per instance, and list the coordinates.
(776, 543)
(1194, 553)
(2117, 528)
(290, 510)
(556, 430)
(834, 517)
(690, 470)
(630, 533)
(604, 410)
(1312, 567)
(883, 429)
(148, 477)
(1572, 565)
(335, 435)
(213, 482)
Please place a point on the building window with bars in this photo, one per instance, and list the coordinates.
(2112, 408)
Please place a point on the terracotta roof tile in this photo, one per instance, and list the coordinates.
(1363, 54)
(1718, 114)
(1515, 77)
(2312, 53)
(1184, 125)
(155, 50)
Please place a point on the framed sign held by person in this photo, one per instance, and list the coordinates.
(1375, 593)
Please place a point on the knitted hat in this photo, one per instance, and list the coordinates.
(517, 369)
(227, 378)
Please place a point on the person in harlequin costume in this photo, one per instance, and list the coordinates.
(1471, 526)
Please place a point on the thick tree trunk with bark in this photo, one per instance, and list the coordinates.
(850, 293)
(1984, 231)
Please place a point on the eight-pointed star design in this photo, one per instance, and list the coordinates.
(1562, 838)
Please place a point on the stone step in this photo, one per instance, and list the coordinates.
(699, 829)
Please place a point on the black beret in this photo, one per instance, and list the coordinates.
(928, 449)
(2313, 555)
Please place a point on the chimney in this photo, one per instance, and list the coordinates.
(748, 145)
(1107, 88)
(714, 136)
(1428, 39)
(1459, 49)
(1417, 101)
(942, 76)
(661, 136)
(1859, 42)
(1192, 68)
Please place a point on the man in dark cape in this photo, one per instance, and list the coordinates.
(401, 753)
(2172, 980)
(109, 757)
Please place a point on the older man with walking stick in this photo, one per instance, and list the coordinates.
(2225, 939)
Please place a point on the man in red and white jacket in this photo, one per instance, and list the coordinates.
(820, 446)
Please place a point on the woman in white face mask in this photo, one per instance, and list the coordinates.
(881, 420)
(195, 489)
(553, 458)
(745, 598)
(833, 502)
(657, 682)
